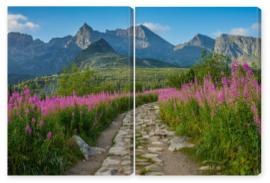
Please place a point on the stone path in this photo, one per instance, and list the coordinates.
(156, 146)
(117, 140)
(119, 160)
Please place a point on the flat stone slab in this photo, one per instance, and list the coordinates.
(110, 162)
(208, 168)
(150, 155)
(157, 143)
(118, 151)
(154, 149)
(108, 171)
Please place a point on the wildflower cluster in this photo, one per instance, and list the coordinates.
(241, 85)
(221, 118)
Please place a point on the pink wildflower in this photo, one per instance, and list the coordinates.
(26, 92)
(33, 121)
(235, 66)
(49, 135)
(28, 129)
(26, 111)
(248, 69)
(221, 97)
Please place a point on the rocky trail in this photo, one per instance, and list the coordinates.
(116, 157)
(156, 146)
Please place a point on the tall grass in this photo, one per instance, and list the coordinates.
(223, 119)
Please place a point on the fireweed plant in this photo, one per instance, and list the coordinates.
(222, 119)
(40, 130)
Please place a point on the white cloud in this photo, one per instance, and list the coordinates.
(251, 30)
(20, 23)
(256, 26)
(156, 27)
(239, 31)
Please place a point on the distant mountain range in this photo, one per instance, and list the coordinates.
(100, 54)
(91, 48)
(35, 57)
(150, 45)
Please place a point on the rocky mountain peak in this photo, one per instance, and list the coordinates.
(199, 40)
(140, 31)
(86, 27)
(199, 37)
(203, 41)
(239, 47)
(145, 38)
(143, 27)
(83, 37)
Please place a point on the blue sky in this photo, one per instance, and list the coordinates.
(178, 25)
(48, 22)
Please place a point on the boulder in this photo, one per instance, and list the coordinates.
(85, 148)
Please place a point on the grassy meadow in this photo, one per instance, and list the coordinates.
(153, 78)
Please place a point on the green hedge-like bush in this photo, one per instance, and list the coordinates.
(146, 98)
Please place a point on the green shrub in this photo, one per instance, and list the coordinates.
(145, 98)
(214, 65)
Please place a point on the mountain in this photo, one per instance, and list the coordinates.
(100, 46)
(241, 48)
(119, 39)
(85, 36)
(33, 57)
(150, 45)
(199, 40)
(190, 52)
(100, 54)
(27, 56)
